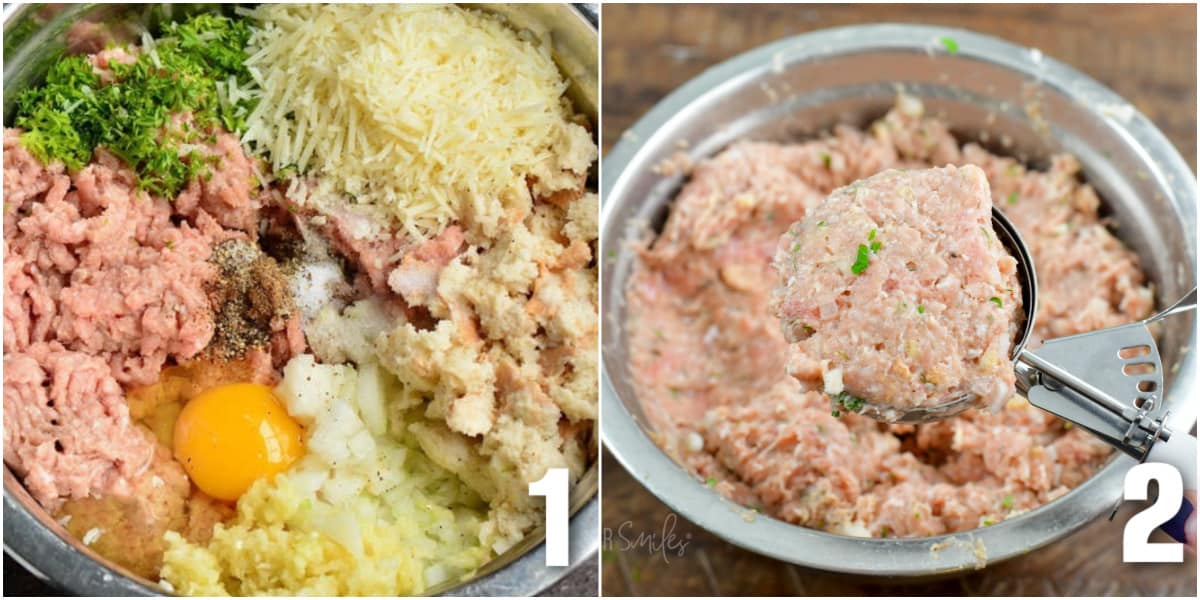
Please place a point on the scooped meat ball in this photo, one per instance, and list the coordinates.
(899, 290)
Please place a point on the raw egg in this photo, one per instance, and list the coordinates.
(230, 436)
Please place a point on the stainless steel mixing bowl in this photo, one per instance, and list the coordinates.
(33, 36)
(1012, 99)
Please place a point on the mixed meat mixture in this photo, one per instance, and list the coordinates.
(711, 362)
(897, 292)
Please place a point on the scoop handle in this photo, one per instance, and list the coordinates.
(1184, 304)
(1178, 451)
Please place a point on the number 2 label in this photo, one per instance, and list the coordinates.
(1137, 547)
(554, 487)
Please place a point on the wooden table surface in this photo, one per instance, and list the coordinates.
(1146, 53)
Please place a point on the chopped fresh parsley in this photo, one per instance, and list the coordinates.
(1012, 197)
(885, 532)
(862, 261)
(1007, 503)
(920, 309)
(996, 301)
(846, 400)
(950, 44)
(821, 223)
(827, 160)
(74, 112)
(711, 482)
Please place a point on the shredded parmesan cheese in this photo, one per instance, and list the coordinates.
(417, 116)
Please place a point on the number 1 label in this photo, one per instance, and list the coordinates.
(553, 486)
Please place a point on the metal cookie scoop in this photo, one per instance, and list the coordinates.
(1109, 382)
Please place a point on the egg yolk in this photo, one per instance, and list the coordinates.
(230, 436)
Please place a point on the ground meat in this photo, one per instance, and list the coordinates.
(102, 270)
(25, 179)
(357, 238)
(89, 37)
(103, 285)
(378, 257)
(67, 430)
(228, 192)
(897, 290)
(709, 359)
(103, 60)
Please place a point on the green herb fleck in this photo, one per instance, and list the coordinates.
(848, 401)
(612, 253)
(1012, 197)
(871, 236)
(876, 245)
(835, 412)
(996, 301)
(827, 160)
(711, 482)
(950, 44)
(986, 522)
(862, 261)
(1007, 503)
(885, 532)
(821, 223)
(920, 309)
